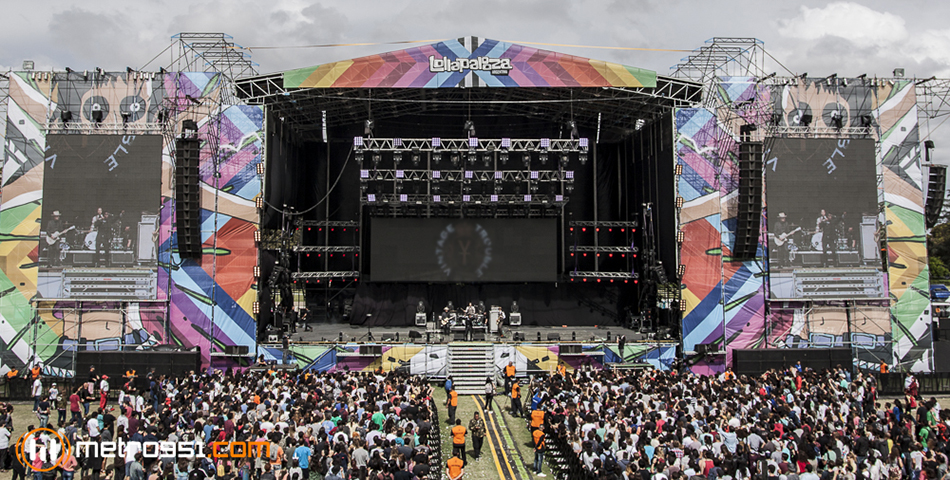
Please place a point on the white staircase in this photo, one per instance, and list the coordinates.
(469, 365)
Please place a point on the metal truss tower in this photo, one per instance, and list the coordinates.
(212, 52)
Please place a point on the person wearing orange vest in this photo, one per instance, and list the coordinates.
(458, 441)
(537, 419)
(883, 366)
(509, 375)
(562, 369)
(538, 436)
(455, 467)
(516, 399)
(452, 400)
(12, 374)
(35, 372)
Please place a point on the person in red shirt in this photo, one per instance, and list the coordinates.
(74, 400)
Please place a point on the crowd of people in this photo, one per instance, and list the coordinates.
(343, 425)
(795, 424)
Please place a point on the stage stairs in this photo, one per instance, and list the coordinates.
(469, 365)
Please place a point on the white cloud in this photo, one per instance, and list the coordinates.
(847, 20)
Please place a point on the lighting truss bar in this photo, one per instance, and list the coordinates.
(455, 199)
(311, 275)
(462, 145)
(603, 249)
(104, 128)
(605, 275)
(322, 249)
(328, 223)
(458, 175)
(608, 224)
(812, 132)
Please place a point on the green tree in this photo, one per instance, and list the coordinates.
(938, 270)
(938, 248)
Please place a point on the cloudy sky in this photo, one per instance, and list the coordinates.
(848, 38)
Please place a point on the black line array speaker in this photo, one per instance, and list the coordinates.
(116, 363)
(936, 189)
(756, 361)
(749, 212)
(571, 349)
(188, 197)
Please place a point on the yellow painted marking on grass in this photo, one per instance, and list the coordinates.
(501, 472)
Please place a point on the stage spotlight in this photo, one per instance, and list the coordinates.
(470, 128)
(565, 159)
(397, 158)
(126, 116)
(66, 116)
(837, 121)
(503, 158)
(368, 126)
(162, 116)
(436, 157)
(543, 156)
(376, 158)
(259, 203)
(359, 158)
(189, 126)
(96, 114)
(582, 157)
(472, 157)
(806, 120)
(454, 157)
(416, 158)
(527, 160)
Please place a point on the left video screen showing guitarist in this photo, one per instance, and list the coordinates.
(55, 232)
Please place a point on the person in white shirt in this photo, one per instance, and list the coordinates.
(36, 392)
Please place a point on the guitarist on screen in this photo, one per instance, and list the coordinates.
(54, 239)
(781, 235)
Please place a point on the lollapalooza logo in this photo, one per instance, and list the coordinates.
(496, 66)
(48, 448)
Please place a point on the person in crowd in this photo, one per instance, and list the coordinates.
(477, 427)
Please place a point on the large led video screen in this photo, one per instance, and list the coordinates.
(823, 219)
(463, 250)
(99, 228)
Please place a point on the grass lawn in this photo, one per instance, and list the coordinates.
(520, 450)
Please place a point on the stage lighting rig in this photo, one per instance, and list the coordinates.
(368, 126)
(572, 125)
(583, 145)
(416, 157)
(470, 129)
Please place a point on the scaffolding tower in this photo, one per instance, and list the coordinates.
(212, 52)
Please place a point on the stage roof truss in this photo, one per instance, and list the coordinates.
(616, 110)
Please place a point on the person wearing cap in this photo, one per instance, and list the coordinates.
(516, 399)
(54, 231)
(780, 233)
(104, 392)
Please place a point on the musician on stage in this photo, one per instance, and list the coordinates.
(445, 318)
(780, 233)
(469, 321)
(824, 226)
(104, 236)
(54, 227)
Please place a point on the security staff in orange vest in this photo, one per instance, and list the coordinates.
(537, 418)
(458, 441)
(455, 468)
(509, 375)
(538, 437)
(883, 366)
(452, 400)
(35, 372)
(516, 399)
(562, 369)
